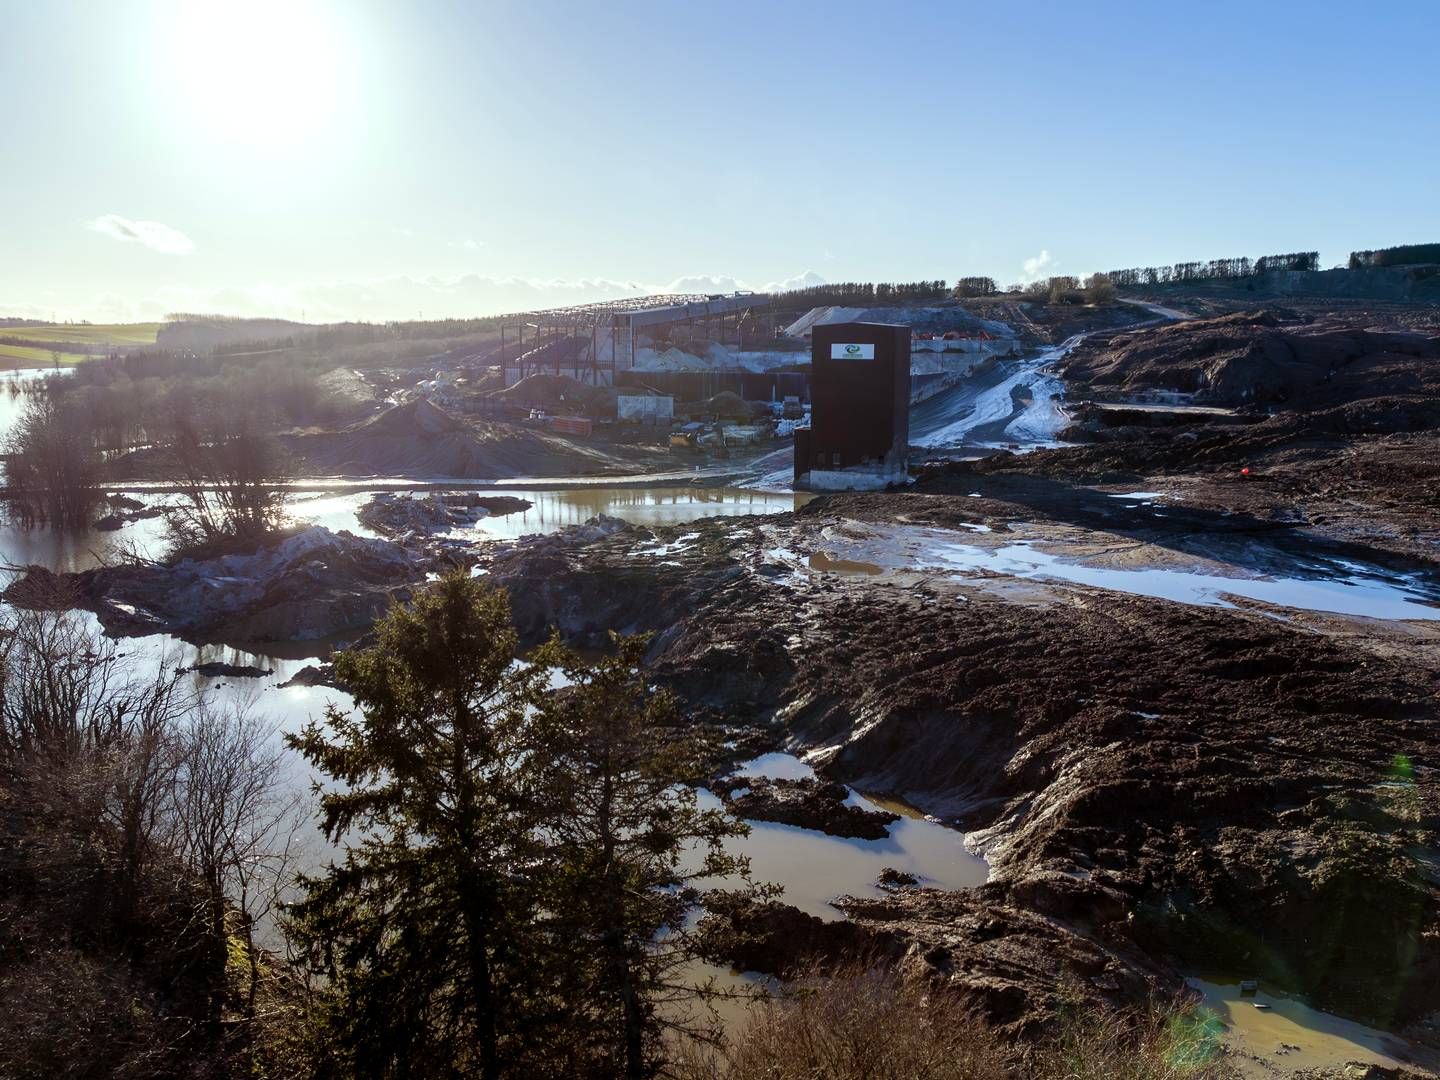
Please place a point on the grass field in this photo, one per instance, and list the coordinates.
(13, 356)
(98, 334)
(119, 334)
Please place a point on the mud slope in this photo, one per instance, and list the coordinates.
(1203, 785)
(1262, 358)
(1335, 429)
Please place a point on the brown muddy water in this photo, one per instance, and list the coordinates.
(1265, 1031)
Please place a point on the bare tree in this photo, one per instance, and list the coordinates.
(230, 470)
(1099, 289)
(90, 736)
(237, 821)
(53, 468)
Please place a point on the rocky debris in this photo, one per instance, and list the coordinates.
(404, 515)
(125, 511)
(890, 878)
(313, 675)
(809, 803)
(308, 585)
(1354, 458)
(217, 669)
(1049, 324)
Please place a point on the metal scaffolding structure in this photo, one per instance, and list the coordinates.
(593, 341)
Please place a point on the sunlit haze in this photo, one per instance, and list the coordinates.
(372, 160)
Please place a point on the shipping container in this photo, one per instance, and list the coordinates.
(572, 425)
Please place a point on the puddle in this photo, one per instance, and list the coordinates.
(1377, 597)
(828, 564)
(1292, 1036)
(334, 512)
(651, 507)
(777, 766)
(815, 867)
(1339, 588)
(552, 511)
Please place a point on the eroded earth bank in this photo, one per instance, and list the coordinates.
(1178, 684)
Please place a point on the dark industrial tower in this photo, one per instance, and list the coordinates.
(859, 435)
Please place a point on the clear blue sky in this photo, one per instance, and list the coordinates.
(358, 158)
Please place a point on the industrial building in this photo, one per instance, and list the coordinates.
(859, 434)
(594, 343)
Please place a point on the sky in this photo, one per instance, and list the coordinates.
(380, 159)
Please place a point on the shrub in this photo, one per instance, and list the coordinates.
(1099, 289)
(872, 1023)
(865, 1024)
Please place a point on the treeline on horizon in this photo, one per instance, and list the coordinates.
(1214, 269)
(1244, 267)
(335, 335)
(1403, 255)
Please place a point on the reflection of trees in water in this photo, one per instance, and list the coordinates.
(642, 506)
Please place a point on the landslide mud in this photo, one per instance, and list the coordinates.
(1149, 779)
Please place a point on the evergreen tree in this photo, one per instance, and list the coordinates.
(632, 846)
(428, 931)
(518, 888)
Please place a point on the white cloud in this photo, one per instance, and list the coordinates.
(152, 234)
(800, 281)
(1037, 267)
(722, 283)
(467, 244)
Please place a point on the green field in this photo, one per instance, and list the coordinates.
(13, 356)
(118, 334)
(98, 334)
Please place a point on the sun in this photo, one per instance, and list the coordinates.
(258, 73)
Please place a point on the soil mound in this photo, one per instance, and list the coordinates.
(421, 439)
(726, 405)
(1268, 358)
(417, 418)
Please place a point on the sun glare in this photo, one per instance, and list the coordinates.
(259, 73)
